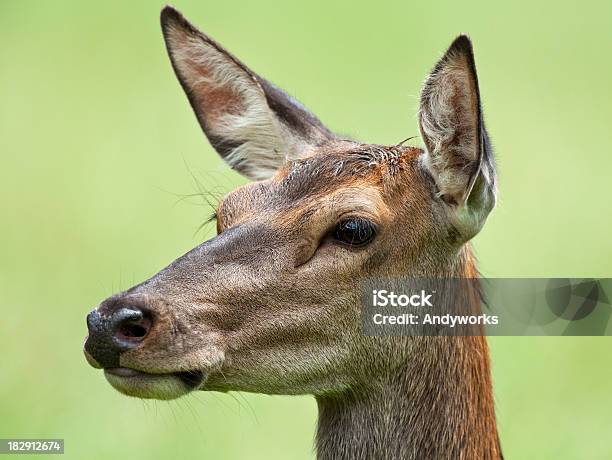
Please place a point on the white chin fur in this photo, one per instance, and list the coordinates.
(149, 386)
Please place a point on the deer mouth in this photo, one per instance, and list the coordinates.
(147, 385)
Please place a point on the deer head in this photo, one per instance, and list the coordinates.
(272, 303)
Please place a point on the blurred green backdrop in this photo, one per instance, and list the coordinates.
(98, 144)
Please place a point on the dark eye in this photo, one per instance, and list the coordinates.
(355, 232)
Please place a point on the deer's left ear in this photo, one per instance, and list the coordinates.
(252, 124)
(458, 152)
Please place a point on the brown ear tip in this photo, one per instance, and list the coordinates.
(462, 44)
(168, 11)
(172, 20)
(170, 15)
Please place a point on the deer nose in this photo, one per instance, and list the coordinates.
(113, 333)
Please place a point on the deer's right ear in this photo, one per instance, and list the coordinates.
(252, 124)
(458, 152)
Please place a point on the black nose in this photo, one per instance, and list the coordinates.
(114, 332)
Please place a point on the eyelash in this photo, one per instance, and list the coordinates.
(344, 232)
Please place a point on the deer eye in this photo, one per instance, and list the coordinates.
(355, 232)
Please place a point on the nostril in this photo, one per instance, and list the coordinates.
(131, 326)
(133, 330)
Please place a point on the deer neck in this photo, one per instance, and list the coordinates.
(437, 404)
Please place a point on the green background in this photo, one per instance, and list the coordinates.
(98, 145)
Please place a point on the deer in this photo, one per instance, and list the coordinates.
(271, 303)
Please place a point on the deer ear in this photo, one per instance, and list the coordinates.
(458, 152)
(252, 124)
